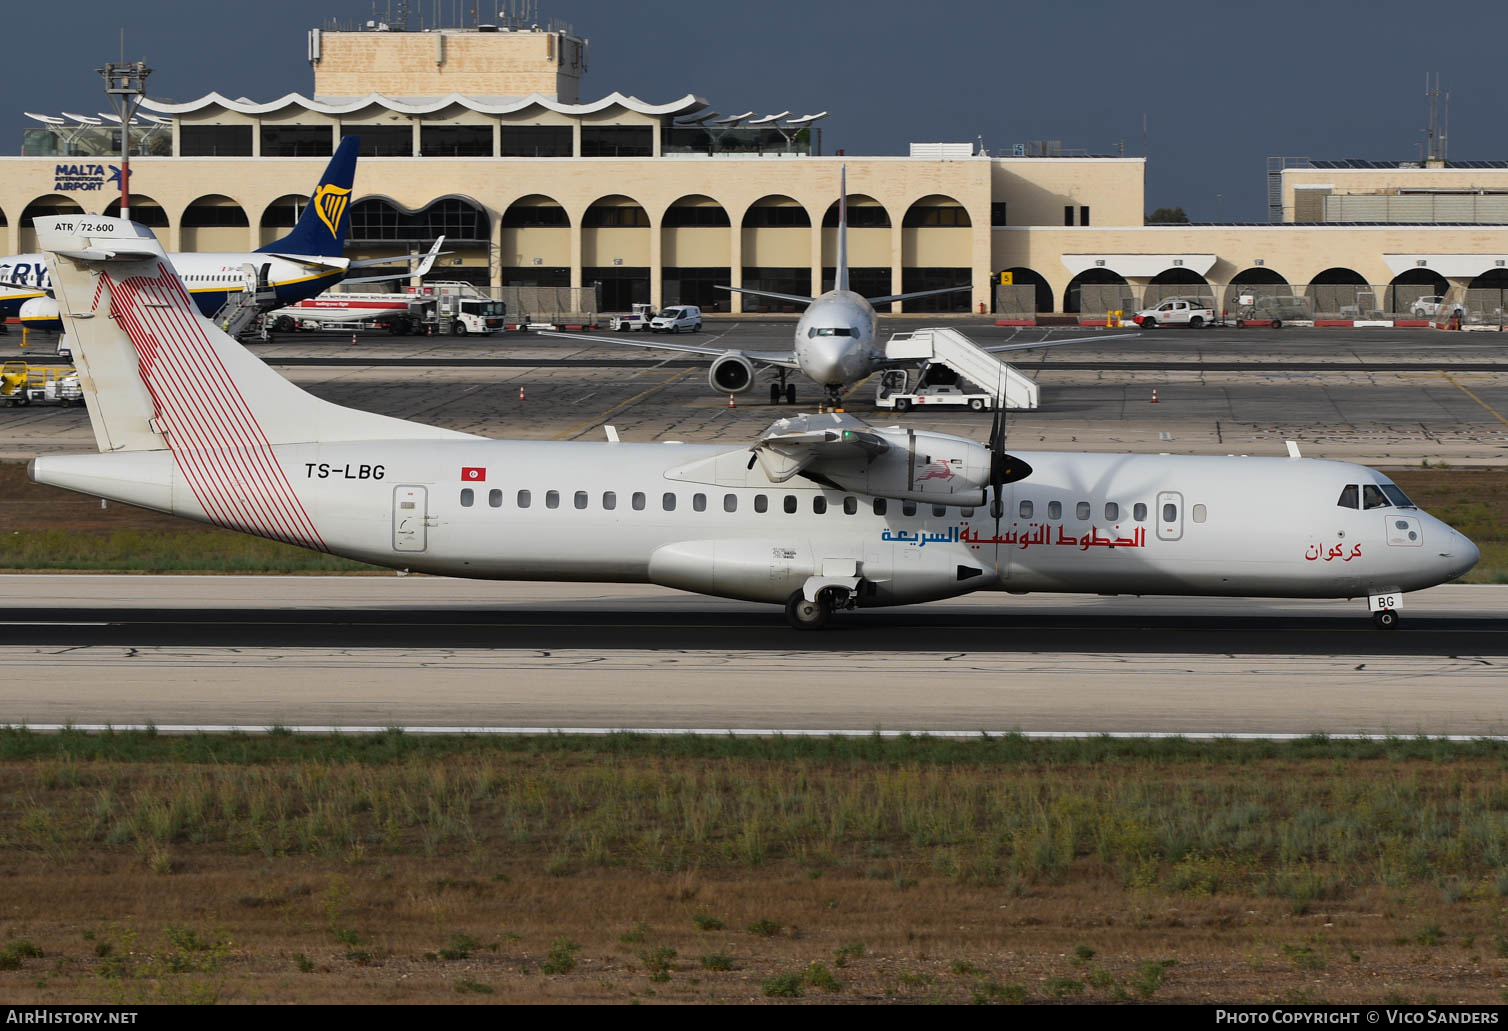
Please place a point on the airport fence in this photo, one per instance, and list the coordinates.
(557, 305)
(1290, 303)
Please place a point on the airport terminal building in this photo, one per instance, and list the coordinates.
(480, 134)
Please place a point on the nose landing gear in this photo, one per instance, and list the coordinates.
(1386, 619)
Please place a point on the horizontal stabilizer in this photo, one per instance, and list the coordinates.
(793, 298)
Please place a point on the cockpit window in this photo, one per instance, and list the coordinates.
(1396, 496)
(1372, 497)
(1350, 496)
(830, 331)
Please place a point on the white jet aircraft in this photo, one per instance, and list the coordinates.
(822, 513)
(836, 344)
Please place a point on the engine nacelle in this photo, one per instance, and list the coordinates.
(732, 373)
(40, 313)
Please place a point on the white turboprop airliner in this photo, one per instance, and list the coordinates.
(837, 342)
(824, 512)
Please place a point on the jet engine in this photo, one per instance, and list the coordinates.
(731, 373)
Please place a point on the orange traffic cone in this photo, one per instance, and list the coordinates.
(520, 393)
(730, 402)
(353, 339)
(1154, 395)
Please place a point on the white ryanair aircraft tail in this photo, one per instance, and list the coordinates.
(162, 382)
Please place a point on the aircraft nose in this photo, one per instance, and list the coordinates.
(1465, 552)
(824, 361)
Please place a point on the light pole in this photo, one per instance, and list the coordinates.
(125, 85)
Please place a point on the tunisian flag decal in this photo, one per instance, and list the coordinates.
(473, 473)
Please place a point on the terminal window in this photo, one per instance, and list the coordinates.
(198, 141)
(535, 141)
(623, 141)
(296, 141)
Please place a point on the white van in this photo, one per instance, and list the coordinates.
(677, 319)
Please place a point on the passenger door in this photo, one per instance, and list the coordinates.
(410, 517)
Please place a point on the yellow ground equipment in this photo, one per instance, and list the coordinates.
(23, 384)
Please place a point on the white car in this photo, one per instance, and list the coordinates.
(676, 319)
(1434, 305)
(1175, 311)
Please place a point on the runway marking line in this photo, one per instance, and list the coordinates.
(1462, 388)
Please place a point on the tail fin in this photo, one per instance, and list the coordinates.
(157, 375)
(841, 280)
(321, 230)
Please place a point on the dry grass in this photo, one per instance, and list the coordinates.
(593, 875)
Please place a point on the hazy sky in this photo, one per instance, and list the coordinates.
(1222, 87)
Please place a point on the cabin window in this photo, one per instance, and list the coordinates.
(552, 499)
(495, 498)
(1170, 513)
(1112, 511)
(790, 504)
(730, 502)
(1200, 512)
(638, 501)
(1055, 510)
(523, 499)
(581, 499)
(850, 506)
(819, 504)
(881, 506)
(908, 508)
(609, 500)
(1350, 496)
(761, 503)
(667, 501)
(699, 502)
(1081, 510)
(939, 510)
(1139, 512)
(1026, 509)
(467, 497)
(1372, 497)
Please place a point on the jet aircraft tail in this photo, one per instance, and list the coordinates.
(321, 230)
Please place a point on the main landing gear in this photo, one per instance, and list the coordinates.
(814, 615)
(1386, 619)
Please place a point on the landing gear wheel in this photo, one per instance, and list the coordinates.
(790, 393)
(807, 615)
(774, 393)
(1386, 619)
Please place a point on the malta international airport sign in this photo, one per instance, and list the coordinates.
(85, 177)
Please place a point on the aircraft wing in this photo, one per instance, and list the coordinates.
(784, 359)
(791, 445)
(918, 293)
(1103, 338)
(423, 268)
(793, 298)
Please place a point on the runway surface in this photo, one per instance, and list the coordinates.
(424, 651)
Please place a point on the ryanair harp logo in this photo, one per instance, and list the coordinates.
(330, 202)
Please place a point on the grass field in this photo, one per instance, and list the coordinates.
(52, 529)
(390, 868)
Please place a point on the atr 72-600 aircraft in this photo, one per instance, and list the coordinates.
(822, 513)
(303, 264)
(837, 342)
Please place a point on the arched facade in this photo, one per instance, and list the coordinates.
(616, 245)
(279, 217)
(213, 222)
(1098, 290)
(1408, 286)
(1028, 293)
(1257, 282)
(936, 252)
(1343, 293)
(696, 253)
(535, 247)
(777, 243)
(1176, 282)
